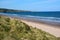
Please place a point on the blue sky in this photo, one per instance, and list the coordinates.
(33, 5)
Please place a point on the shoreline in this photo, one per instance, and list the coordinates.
(52, 29)
(42, 22)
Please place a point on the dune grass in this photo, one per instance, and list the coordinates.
(14, 29)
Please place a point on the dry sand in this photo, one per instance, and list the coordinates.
(45, 27)
(54, 30)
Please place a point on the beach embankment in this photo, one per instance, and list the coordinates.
(52, 29)
(17, 29)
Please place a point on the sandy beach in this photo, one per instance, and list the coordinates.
(54, 30)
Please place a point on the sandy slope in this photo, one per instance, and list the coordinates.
(48, 28)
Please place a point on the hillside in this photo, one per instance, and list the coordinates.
(14, 29)
(4, 10)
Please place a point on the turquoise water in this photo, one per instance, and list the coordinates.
(45, 16)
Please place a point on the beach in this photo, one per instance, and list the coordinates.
(52, 29)
(20, 29)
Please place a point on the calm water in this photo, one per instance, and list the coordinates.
(45, 16)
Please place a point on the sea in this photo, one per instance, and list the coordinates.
(53, 17)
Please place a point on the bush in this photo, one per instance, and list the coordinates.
(7, 19)
(5, 28)
(1, 36)
(58, 38)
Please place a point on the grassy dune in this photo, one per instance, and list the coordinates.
(13, 29)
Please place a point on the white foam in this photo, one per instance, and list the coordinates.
(51, 19)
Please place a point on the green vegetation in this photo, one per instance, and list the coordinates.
(14, 29)
(4, 10)
(58, 38)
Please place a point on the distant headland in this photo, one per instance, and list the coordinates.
(5, 10)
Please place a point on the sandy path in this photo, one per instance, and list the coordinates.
(48, 28)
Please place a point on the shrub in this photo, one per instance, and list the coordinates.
(6, 28)
(7, 19)
(1, 36)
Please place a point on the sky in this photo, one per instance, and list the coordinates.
(31, 5)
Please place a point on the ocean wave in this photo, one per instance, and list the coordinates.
(8, 14)
(43, 18)
(51, 19)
